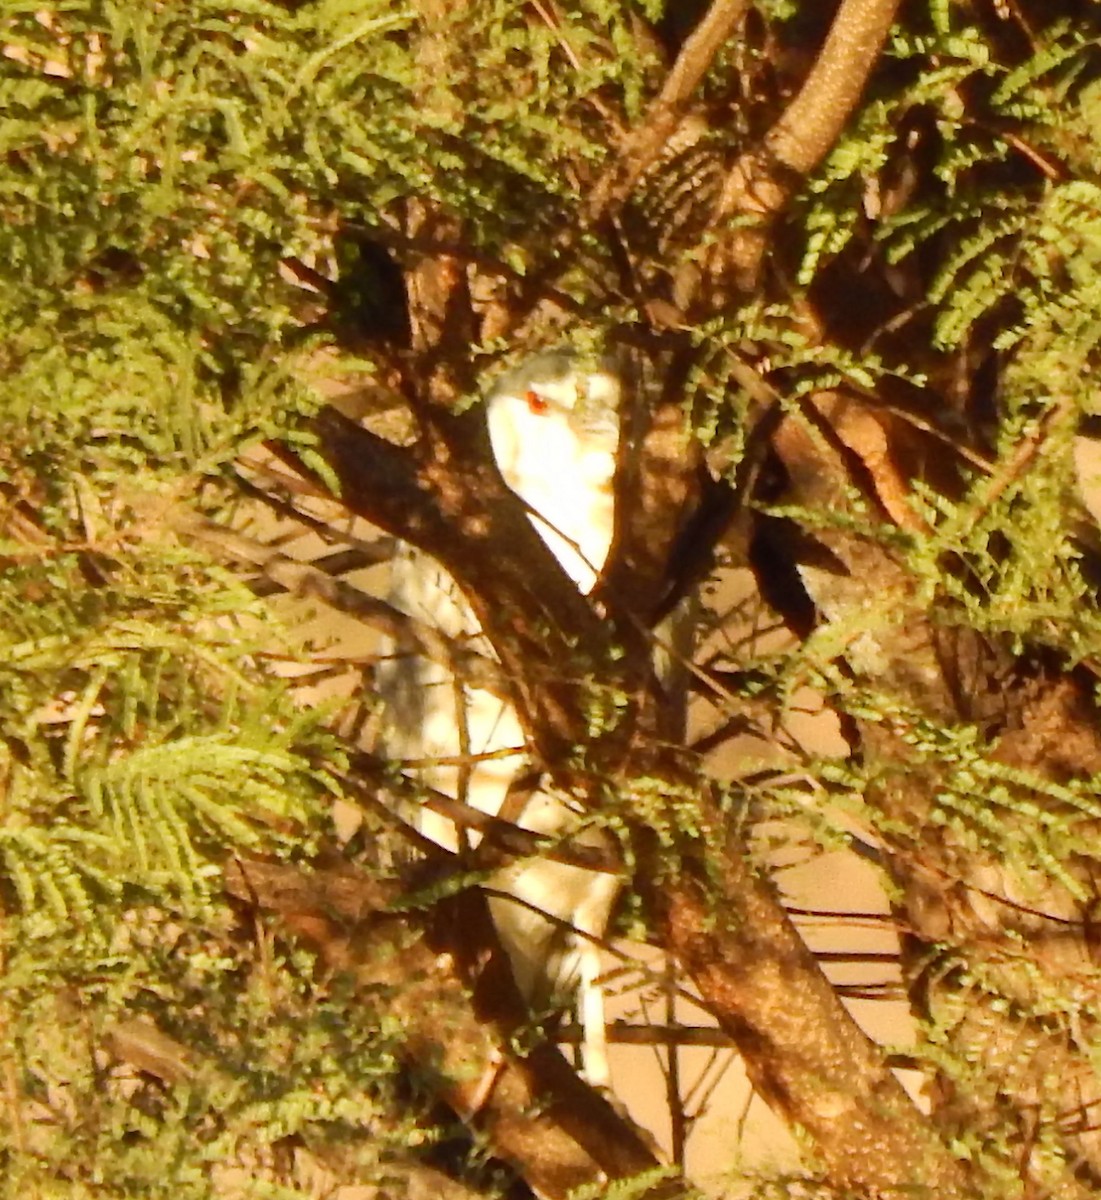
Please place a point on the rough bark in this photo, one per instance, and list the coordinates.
(802, 1050)
(761, 182)
(990, 947)
(642, 146)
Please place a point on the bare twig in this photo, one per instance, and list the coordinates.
(305, 581)
(505, 839)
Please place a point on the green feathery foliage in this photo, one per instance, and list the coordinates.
(163, 164)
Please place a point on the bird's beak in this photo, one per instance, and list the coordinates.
(595, 413)
(597, 425)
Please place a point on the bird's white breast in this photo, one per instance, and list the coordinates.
(565, 477)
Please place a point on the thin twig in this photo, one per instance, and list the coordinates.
(306, 581)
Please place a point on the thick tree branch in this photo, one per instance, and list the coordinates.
(451, 501)
(801, 1049)
(452, 989)
(814, 120)
(715, 913)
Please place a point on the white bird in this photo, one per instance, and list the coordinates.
(554, 430)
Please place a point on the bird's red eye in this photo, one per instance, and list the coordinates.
(536, 403)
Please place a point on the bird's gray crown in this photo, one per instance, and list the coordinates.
(550, 366)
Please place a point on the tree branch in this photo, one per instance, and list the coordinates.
(802, 1050)
(814, 120)
(761, 182)
(643, 144)
(714, 912)
(305, 581)
(503, 841)
(450, 500)
(452, 989)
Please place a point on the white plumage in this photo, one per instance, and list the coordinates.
(554, 428)
(555, 435)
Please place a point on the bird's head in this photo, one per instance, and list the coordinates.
(559, 385)
(554, 426)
